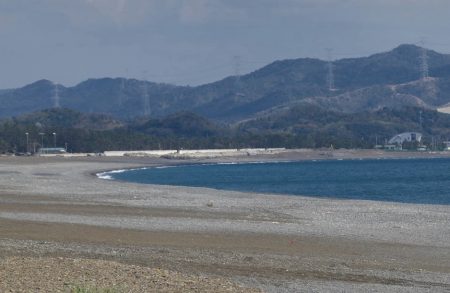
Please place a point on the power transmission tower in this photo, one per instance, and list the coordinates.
(237, 67)
(56, 103)
(123, 84)
(122, 91)
(145, 95)
(330, 70)
(237, 75)
(237, 71)
(423, 58)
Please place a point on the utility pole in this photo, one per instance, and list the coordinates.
(42, 139)
(26, 134)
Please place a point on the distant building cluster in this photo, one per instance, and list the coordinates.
(397, 142)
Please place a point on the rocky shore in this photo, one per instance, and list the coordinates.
(54, 213)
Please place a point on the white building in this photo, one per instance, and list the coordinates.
(446, 145)
(406, 137)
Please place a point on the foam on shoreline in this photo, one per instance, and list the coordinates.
(107, 174)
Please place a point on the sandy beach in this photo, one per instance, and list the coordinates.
(57, 209)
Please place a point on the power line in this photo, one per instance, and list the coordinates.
(240, 65)
(198, 72)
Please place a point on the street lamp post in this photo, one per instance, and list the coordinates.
(54, 139)
(42, 139)
(26, 134)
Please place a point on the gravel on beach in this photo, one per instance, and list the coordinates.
(61, 226)
(21, 274)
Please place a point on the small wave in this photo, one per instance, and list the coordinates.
(117, 171)
(160, 167)
(104, 176)
(250, 162)
(108, 175)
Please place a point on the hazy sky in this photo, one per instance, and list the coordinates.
(194, 41)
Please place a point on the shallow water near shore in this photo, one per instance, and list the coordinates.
(425, 181)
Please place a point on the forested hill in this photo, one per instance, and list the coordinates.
(390, 79)
(296, 127)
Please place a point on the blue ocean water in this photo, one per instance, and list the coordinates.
(412, 181)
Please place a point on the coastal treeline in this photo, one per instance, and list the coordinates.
(301, 127)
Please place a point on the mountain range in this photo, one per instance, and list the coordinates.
(386, 80)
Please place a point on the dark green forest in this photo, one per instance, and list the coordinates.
(298, 127)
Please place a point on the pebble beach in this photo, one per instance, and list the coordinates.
(56, 213)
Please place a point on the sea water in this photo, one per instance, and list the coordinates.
(424, 181)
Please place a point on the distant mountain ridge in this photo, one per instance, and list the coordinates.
(390, 79)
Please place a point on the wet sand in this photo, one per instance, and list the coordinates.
(55, 207)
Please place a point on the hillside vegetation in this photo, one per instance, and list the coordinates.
(390, 79)
(284, 104)
(297, 127)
